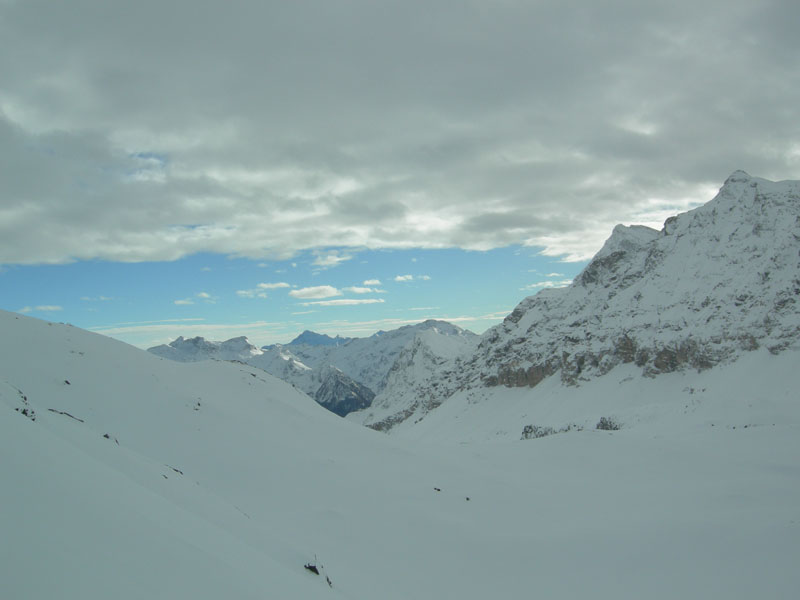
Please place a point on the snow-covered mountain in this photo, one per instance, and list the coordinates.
(311, 338)
(326, 384)
(199, 348)
(715, 283)
(412, 383)
(130, 476)
(369, 360)
(340, 373)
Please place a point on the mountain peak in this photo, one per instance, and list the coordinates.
(738, 176)
(311, 338)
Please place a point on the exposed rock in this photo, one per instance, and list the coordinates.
(341, 394)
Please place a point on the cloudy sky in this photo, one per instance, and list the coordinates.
(256, 167)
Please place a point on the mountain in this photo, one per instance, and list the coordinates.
(714, 284)
(128, 475)
(198, 348)
(341, 377)
(412, 383)
(310, 338)
(369, 360)
(341, 394)
(332, 388)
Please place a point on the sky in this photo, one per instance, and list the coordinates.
(260, 168)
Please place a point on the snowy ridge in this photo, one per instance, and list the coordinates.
(714, 283)
(412, 382)
(198, 348)
(340, 373)
(311, 338)
(331, 388)
(369, 360)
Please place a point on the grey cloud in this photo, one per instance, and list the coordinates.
(275, 127)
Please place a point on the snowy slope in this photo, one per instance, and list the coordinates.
(714, 284)
(217, 480)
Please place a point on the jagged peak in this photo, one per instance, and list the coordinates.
(738, 176)
(627, 238)
(312, 338)
(194, 341)
(237, 341)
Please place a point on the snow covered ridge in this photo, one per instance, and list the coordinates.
(198, 348)
(342, 374)
(716, 281)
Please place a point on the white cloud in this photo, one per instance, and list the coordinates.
(215, 161)
(546, 284)
(404, 278)
(344, 302)
(330, 259)
(137, 323)
(401, 278)
(206, 297)
(273, 286)
(364, 290)
(147, 334)
(372, 282)
(41, 308)
(256, 293)
(184, 302)
(319, 291)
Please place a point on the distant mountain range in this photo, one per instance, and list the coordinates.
(342, 374)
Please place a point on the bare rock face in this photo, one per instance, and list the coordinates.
(341, 394)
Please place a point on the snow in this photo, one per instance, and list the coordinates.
(669, 506)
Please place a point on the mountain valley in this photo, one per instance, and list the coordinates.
(631, 435)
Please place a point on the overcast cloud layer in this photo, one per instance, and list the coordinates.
(150, 130)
